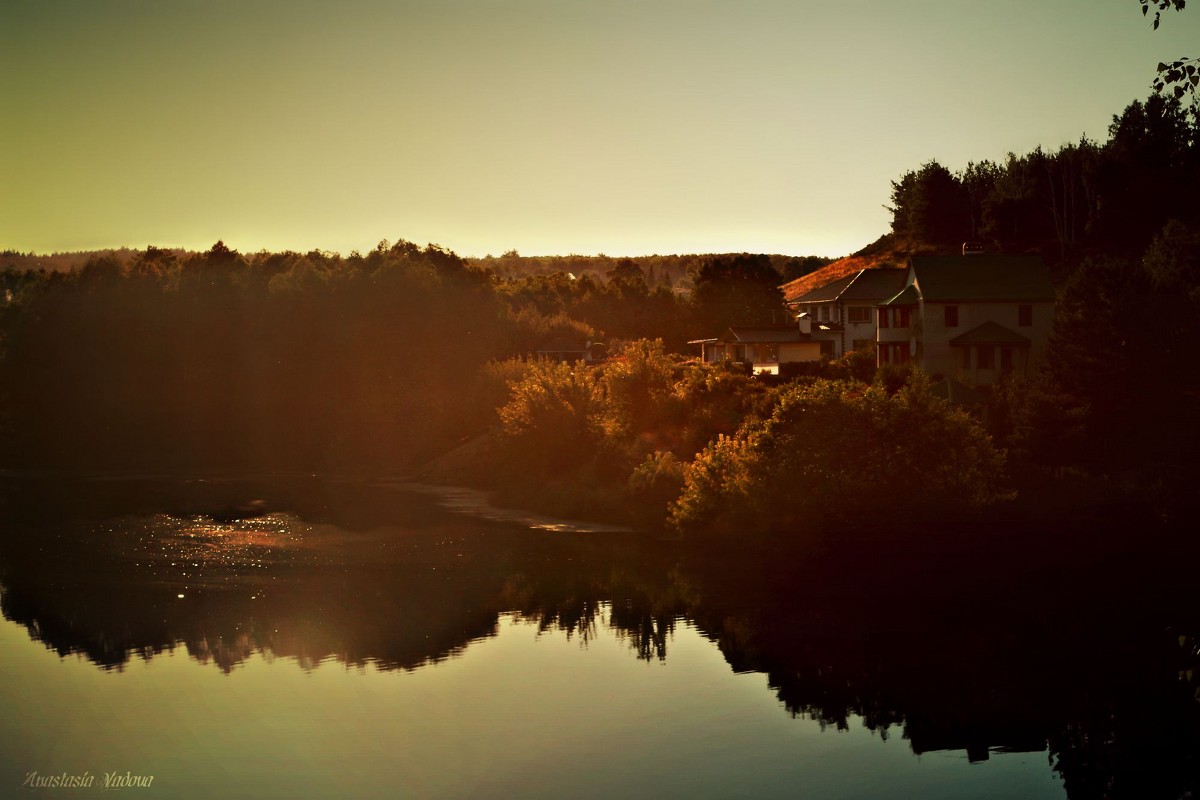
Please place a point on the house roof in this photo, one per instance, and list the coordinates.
(990, 333)
(765, 334)
(866, 285)
(982, 278)
(956, 393)
(908, 297)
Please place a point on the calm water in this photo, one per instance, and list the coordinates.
(357, 641)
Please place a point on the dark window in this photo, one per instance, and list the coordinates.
(883, 354)
(951, 316)
(858, 314)
(987, 356)
(826, 347)
(901, 353)
(1005, 359)
(883, 318)
(1024, 316)
(903, 317)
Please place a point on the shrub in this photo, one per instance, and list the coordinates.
(552, 420)
(844, 453)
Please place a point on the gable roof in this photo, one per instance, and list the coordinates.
(866, 285)
(990, 333)
(766, 334)
(982, 278)
(909, 296)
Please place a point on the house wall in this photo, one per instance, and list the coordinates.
(938, 356)
(799, 351)
(854, 331)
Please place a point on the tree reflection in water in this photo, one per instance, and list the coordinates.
(1058, 660)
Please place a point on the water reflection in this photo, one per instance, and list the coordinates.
(369, 576)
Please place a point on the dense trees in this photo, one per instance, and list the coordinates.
(1083, 198)
(840, 454)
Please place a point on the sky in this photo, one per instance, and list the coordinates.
(624, 127)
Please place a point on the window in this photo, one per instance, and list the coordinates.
(901, 353)
(768, 353)
(884, 350)
(1005, 359)
(987, 356)
(883, 317)
(903, 317)
(1024, 316)
(823, 314)
(951, 316)
(827, 348)
(858, 314)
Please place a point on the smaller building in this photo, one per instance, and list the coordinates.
(763, 348)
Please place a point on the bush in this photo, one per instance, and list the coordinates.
(553, 419)
(839, 452)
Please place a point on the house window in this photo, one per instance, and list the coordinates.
(1006, 359)
(858, 314)
(827, 348)
(903, 317)
(1024, 316)
(883, 317)
(768, 353)
(987, 357)
(901, 353)
(951, 316)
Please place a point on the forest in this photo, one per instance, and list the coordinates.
(412, 360)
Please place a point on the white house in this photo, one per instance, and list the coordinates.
(972, 318)
(842, 312)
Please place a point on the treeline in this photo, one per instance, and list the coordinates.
(1082, 199)
(670, 271)
(314, 361)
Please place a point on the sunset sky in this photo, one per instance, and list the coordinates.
(545, 126)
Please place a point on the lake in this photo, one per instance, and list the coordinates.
(308, 638)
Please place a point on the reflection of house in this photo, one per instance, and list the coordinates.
(843, 312)
(764, 348)
(972, 318)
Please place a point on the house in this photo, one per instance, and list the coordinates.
(972, 317)
(843, 312)
(570, 350)
(763, 347)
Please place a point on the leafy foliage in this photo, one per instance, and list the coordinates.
(839, 451)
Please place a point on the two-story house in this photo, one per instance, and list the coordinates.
(843, 312)
(972, 318)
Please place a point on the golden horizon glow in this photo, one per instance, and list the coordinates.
(545, 127)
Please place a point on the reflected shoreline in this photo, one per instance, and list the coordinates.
(372, 576)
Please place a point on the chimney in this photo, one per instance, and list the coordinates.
(805, 323)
